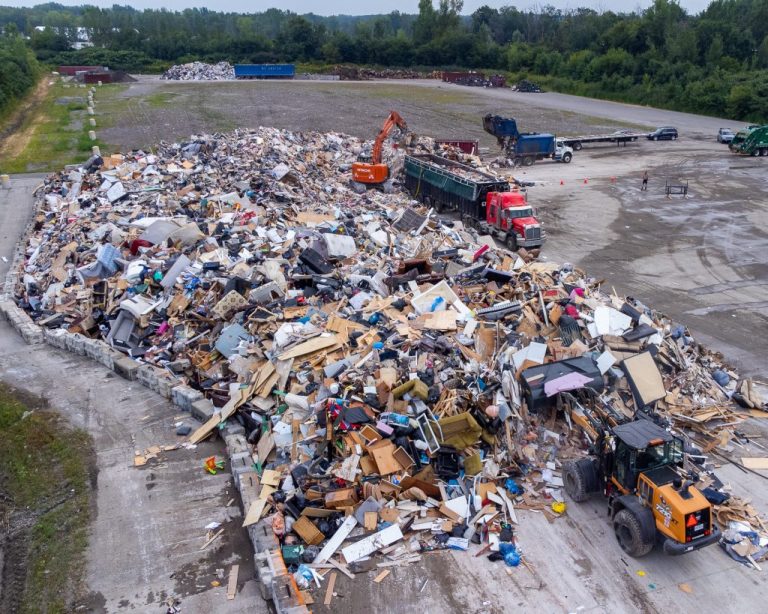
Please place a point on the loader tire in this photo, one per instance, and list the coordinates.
(629, 534)
(580, 479)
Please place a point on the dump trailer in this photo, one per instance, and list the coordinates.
(525, 147)
(467, 146)
(264, 71)
(482, 200)
(752, 141)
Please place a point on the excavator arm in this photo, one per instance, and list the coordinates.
(393, 120)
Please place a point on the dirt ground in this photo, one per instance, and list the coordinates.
(702, 259)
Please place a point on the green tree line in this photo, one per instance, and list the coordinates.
(18, 70)
(715, 62)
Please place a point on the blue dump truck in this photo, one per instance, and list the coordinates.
(525, 147)
(265, 71)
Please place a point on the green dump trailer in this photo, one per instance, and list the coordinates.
(751, 141)
(447, 185)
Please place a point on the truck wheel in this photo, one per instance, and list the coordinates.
(577, 146)
(528, 161)
(511, 242)
(629, 534)
(580, 479)
(567, 157)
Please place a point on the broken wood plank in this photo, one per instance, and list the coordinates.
(329, 590)
(212, 539)
(342, 568)
(232, 584)
(759, 462)
(338, 538)
(381, 576)
(255, 511)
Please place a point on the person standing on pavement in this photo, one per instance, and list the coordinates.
(645, 181)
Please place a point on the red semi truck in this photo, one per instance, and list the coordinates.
(483, 201)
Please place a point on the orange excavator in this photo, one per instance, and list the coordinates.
(371, 171)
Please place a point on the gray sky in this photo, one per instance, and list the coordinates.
(355, 7)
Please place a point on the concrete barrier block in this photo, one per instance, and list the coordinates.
(234, 428)
(76, 343)
(236, 444)
(147, 375)
(163, 386)
(184, 396)
(202, 410)
(127, 368)
(91, 348)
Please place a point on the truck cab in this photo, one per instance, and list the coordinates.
(511, 217)
(563, 153)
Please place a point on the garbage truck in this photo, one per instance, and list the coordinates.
(483, 201)
(525, 147)
(752, 141)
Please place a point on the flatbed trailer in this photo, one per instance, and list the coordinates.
(577, 142)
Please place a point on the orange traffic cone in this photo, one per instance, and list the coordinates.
(586, 180)
(562, 182)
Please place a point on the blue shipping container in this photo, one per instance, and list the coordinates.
(264, 71)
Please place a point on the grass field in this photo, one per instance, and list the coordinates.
(55, 133)
(45, 480)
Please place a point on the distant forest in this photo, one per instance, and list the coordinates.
(714, 63)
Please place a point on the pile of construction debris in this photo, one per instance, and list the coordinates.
(357, 73)
(200, 71)
(401, 380)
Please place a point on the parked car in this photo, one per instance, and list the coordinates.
(725, 135)
(665, 132)
(624, 135)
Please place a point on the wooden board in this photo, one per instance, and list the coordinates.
(372, 543)
(755, 462)
(381, 576)
(232, 584)
(254, 512)
(309, 347)
(338, 538)
(329, 590)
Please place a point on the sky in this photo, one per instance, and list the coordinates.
(355, 7)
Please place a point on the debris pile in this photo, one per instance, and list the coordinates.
(200, 71)
(358, 73)
(405, 385)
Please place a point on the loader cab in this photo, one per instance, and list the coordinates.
(642, 447)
